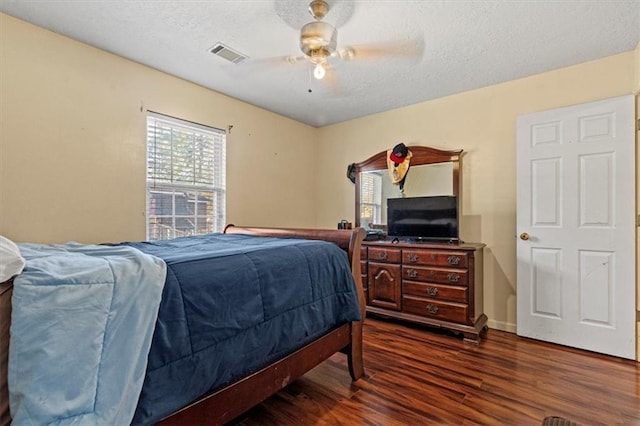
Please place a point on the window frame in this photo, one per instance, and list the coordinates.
(376, 196)
(216, 220)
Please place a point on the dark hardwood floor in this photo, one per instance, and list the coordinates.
(417, 376)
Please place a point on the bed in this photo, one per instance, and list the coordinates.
(270, 363)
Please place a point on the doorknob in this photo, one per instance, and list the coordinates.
(524, 236)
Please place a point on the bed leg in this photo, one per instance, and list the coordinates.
(354, 351)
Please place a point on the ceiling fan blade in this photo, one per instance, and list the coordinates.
(272, 62)
(410, 49)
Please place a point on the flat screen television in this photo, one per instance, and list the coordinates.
(423, 218)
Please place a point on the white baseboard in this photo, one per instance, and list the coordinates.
(501, 325)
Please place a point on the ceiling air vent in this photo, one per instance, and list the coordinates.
(227, 53)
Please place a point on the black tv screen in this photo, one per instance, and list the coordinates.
(428, 218)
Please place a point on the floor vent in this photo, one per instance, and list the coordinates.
(227, 53)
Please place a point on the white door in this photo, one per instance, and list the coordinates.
(576, 275)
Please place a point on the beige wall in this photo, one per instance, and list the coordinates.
(72, 152)
(482, 123)
(72, 143)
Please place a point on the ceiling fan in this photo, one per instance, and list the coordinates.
(318, 39)
(318, 42)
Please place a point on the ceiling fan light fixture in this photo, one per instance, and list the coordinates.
(318, 37)
(319, 72)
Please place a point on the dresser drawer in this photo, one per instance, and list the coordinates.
(435, 291)
(363, 253)
(388, 255)
(458, 259)
(435, 275)
(446, 311)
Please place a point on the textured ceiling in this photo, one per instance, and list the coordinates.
(406, 51)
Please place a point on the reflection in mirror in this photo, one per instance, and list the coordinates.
(422, 180)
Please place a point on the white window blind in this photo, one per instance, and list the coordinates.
(370, 198)
(185, 178)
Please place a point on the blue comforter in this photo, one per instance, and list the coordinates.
(82, 321)
(93, 343)
(233, 304)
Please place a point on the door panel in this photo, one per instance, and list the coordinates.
(596, 287)
(546, 282)
(597, 196)
(546, 188)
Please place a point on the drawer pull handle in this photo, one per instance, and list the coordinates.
(413, 258)
(432, 291)
(383, 255)
(432, 309)
(412, 273)
(453, 260)
(454, 278)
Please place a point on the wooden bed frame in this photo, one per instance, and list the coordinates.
(227, 403)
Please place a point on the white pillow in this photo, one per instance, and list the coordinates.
(11, 262)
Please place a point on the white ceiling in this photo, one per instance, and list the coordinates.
(407, 51)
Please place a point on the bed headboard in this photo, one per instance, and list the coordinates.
(6, 289)
(349, 240)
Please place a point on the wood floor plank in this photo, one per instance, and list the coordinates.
(419, 376)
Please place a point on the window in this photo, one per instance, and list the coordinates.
(371, 198)
(185, 178)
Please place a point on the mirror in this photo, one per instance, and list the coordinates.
(432, 172)
(422, 180)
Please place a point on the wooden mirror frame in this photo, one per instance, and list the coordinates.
(422, 155)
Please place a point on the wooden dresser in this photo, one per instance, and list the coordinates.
(433, 284)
